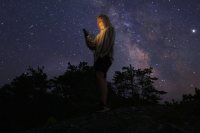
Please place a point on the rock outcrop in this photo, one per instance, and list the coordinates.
(138, 119)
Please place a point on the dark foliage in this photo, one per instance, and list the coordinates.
(188, 102)
(31, 100)
(136, 86)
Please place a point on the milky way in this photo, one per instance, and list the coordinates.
(163, 34)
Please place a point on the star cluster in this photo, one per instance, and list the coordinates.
(163, 34)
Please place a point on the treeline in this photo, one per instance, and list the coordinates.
(189, 104)
(32, 100)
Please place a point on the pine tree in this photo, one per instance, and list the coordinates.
(137, 85)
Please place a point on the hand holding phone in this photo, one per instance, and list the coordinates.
(85, 32)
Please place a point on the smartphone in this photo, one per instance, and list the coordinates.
(85, 32)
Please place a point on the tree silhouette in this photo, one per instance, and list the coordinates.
(24, 100)
(148, 93)
(137, 85)
(77, 86)
(189, 98)
(31, 100)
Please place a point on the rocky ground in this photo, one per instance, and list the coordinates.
(140, 119)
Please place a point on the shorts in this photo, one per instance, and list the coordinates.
(103, 64)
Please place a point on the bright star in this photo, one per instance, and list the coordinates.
(194, 30)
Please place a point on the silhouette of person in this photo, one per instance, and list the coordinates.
(102, 46)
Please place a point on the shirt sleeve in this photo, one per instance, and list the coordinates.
(107, 42)
(91, 41)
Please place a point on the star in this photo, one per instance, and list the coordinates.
(194, 30)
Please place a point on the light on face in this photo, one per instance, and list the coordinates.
(100, 24)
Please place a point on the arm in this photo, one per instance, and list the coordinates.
(90, 40)
(106, 42)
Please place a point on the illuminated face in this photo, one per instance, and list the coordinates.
(100, 23)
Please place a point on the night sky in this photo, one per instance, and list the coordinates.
(164, 34)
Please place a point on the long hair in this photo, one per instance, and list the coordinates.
(106, 20)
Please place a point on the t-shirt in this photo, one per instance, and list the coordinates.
(103, 43)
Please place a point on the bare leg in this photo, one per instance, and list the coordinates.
(102, 83)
